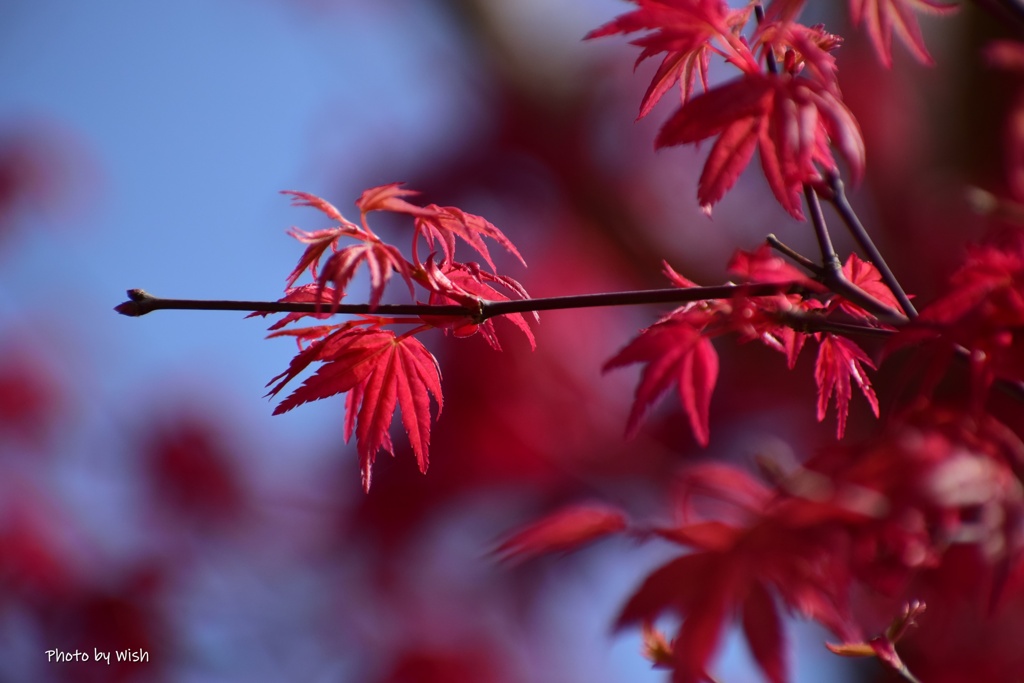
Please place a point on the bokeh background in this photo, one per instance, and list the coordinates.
(147, 497)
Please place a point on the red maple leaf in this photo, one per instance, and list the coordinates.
(566, 529)
(763, 630)
(381, 371)
(677, 67)
(801, 49)
(673, 351)
(696, 586)
(982, 311)
(444, 223)
(677, 349)
(306, 294)
(792, 120)
(764, 265)
(389, 198)
(382, 260)
(306, 199)
(866, 276)
(839, 360)
(706, 588)
(883, 17)
(466, 284)
(319, 241)
(990, 284)
(683, 30)
(774, 548)
(759, 318)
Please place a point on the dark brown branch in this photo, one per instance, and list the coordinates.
(832, 270)
(829, 258)
(864, 241)
(832, 273)
(771, 62)
(795, 256)
(803, 322)
(141, 302)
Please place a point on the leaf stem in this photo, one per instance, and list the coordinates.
(815, 323)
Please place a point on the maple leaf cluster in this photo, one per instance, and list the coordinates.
(794, 114)
(871, 516)
(677, 350)
(803, 539)
(980, 317)
(382, 370)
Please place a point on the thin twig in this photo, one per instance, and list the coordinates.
(141, 302)
(773, 65)
(801, 260)
(832, 273)
(802, 322)
(829, 258)
(860, 234)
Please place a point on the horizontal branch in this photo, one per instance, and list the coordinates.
(141, 302)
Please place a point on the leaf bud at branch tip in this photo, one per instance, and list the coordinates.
(135, 307)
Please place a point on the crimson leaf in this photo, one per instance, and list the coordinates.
(565, 529)
(839, 359)
(792, 120)
(381, 372)
(674, 352)
(883, 17)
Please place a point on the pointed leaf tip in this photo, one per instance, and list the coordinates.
(839, 361)
(564, 530)
(381, 373)
(673, 352)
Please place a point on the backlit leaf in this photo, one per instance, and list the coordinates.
(382, 372)
(673, 351)
(839, 361)
(563, 530)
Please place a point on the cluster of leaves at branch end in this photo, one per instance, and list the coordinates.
(379, 369)
(678, 349)
(793, 113)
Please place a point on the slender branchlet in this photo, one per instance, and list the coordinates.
(864, 241)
